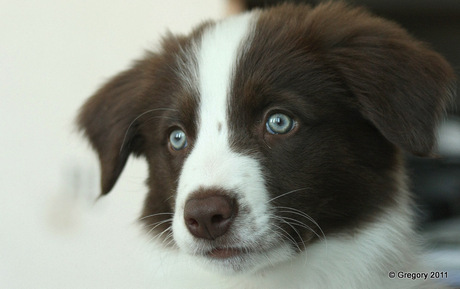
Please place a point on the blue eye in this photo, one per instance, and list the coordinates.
(279, 123)
(178, 139)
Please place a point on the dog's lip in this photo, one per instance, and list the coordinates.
(225, 253)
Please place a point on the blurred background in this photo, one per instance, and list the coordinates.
(54, 54)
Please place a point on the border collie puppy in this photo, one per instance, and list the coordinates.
(275, 144)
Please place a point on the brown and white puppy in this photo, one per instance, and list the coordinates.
(274, 141)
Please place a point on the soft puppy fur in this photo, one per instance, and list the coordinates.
(275, 144)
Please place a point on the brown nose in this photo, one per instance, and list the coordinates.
(209, 216)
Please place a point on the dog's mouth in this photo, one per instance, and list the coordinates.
(233, 259)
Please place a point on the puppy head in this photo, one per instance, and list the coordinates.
(270, 130)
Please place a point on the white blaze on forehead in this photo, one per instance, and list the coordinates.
(217, 59)
(208, 164)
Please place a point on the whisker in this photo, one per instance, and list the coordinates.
(298, 212)
(303, 225)
(154, 215)
(282, 195)
(164, 231)
(170, 236)
(289, 236)
(305, 215)
(156, 224)
(278, 234)
(282, 236)
(293, 212)
(268, 259)
(305, 247)
(291, 225)
(156, 237)
(160, 223)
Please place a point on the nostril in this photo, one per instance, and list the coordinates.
(217, 219)
(192, 222)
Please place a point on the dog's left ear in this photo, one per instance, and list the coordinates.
(401, 86)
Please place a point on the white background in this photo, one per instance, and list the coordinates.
(53, 55)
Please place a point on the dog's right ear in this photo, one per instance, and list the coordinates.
(108, 120)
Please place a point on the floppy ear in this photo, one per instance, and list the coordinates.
(401, 86)
(108, 121)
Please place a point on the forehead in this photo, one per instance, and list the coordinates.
(250, 62)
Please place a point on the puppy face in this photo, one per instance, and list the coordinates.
(269, 131)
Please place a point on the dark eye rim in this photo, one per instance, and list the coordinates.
(271, 130)
(270, 113)
(168, 136)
